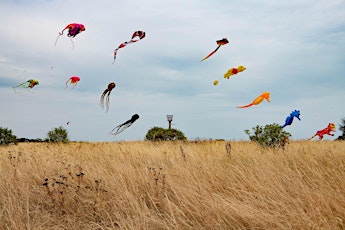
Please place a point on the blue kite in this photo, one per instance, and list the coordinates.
(289, 119)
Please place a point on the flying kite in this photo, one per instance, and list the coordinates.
(289, 119)
(139, 34)
(220, 43)
(118, 129)
(258, 100)
(330, 128)
(73, 81)
(233, 71)
(73, 30)
(29, 84)
(106, 94)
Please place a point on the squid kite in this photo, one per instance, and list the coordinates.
(258, 100)
(118, 129)
(289, 119)
(29, 84)
(220, 43)
(139, 34)
(330, 128)
(73, 30)
(73, 81)
(233, 71)
(106, 94)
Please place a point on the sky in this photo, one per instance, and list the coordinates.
(292, 49)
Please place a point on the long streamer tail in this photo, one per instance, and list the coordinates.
(210, 54)
(245, 106)
(312, 137)
(57, 38)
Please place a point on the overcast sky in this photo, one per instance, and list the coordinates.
(293, 49)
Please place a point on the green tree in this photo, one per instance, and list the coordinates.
(161, 134)
(272, 135)
(59, 134)
(6, 136)
(342, 128)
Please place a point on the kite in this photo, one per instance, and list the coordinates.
(29, 84)
(118, 129)
(139, 34)
(215, 82)
(289, 119)
(330, 128)
(258, 100)
(73, 30)
(233, 71)
(73, 81)
(106, 93)
(220, 43)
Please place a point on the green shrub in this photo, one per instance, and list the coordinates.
(161, 134)
(59, 134)
(342, 129)
(272, 135)
(6, 136)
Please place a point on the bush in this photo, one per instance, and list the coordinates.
(6, 136)
(342, 129)
(59, 134)
(272, 135)
(161, 134)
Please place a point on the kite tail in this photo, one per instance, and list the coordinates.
(72, 43)
(117, 129)
(57, 38)
(210, 54)
(107, 103)
(245, 106)
(312, 137)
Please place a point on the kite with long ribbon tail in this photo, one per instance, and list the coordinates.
(73, 81)
(29, 84)
(220, 43)
(289, 119)
(73, 30)
(258, 100)
(330, 128)
(120, 128)
(139, 34)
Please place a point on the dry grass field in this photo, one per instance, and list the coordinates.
(172, 185)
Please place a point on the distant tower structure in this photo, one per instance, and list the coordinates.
(169, 118)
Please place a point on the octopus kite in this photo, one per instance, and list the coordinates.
(118, 129)
(233, 71)
(330, 128)
(258, 100)
(220, 43)
(73, 30)
(289, 119)
(106, 94)
(139, 34)
(29, 84)
(73, 81)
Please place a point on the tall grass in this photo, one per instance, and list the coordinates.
(172, 185)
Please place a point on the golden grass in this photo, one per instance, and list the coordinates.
(172, 185)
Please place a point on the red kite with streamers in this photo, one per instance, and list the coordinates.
(73, 81)
(220, 43)
(139, 34)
